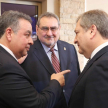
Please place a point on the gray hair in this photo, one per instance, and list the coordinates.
(11, 19)
(48, 15)
(97, 17)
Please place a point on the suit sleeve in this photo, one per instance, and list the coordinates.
(96, 89)
(18, 92)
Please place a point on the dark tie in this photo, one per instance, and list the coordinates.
(55, 61)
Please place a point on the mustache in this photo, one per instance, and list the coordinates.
(49, 36)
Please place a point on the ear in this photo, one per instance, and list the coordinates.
(59, 27)
(93, 30)
(9, 34)
(37, 28)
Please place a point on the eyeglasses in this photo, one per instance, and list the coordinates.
(46, 29)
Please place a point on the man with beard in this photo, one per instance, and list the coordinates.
(39, 64)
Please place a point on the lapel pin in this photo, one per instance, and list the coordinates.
(64, 48)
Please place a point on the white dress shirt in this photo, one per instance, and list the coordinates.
(48, 52)
(98, 49)
(8, 50)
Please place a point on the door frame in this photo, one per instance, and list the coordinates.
(24, 3)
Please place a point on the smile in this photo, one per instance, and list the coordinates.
(49, 37)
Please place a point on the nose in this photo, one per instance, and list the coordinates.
(30, 41)
(75, 40)
(49, 32)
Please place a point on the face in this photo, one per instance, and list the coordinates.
(48, 31)
(82, 39)
(21, 40)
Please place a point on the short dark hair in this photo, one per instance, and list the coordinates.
(11, 19)
(97, 17)
(48, 15)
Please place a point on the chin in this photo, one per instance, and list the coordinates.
(80, 51)
(24, 54)
(50, 44)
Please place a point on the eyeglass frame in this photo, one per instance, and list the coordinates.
(46, 29)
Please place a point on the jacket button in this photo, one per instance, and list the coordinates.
(63, 90)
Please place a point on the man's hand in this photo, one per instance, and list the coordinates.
(60, 77)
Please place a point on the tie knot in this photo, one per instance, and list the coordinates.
(52, 49)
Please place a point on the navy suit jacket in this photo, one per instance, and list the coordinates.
(39, 68)
(91, 88)
(16, 88)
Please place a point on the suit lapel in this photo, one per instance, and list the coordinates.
(2, 49)
(10, 59)
(97, 56)
(62, 55)
(42, 56)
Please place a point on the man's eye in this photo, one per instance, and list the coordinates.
(53, 29)
(44, 29)
(27, 35)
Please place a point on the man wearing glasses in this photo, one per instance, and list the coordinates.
(39, 64)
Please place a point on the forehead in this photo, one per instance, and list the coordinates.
(78, 23)
(23, 21)
(78, 26)
(25, 24)
(48, 21)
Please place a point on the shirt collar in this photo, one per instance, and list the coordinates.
(8, 50)
(47, 48)
(98, 49)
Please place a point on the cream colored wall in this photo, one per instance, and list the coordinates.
(44, 6)
(94, 4)
(51, 6)
(69, 11)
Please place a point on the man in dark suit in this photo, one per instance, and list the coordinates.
(16, 88)
(38, 64)
(91, 87)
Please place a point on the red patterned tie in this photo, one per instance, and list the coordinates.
(55, 61)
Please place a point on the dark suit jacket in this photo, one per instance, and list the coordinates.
(39, 68)
(91, 88)
(16, 89)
